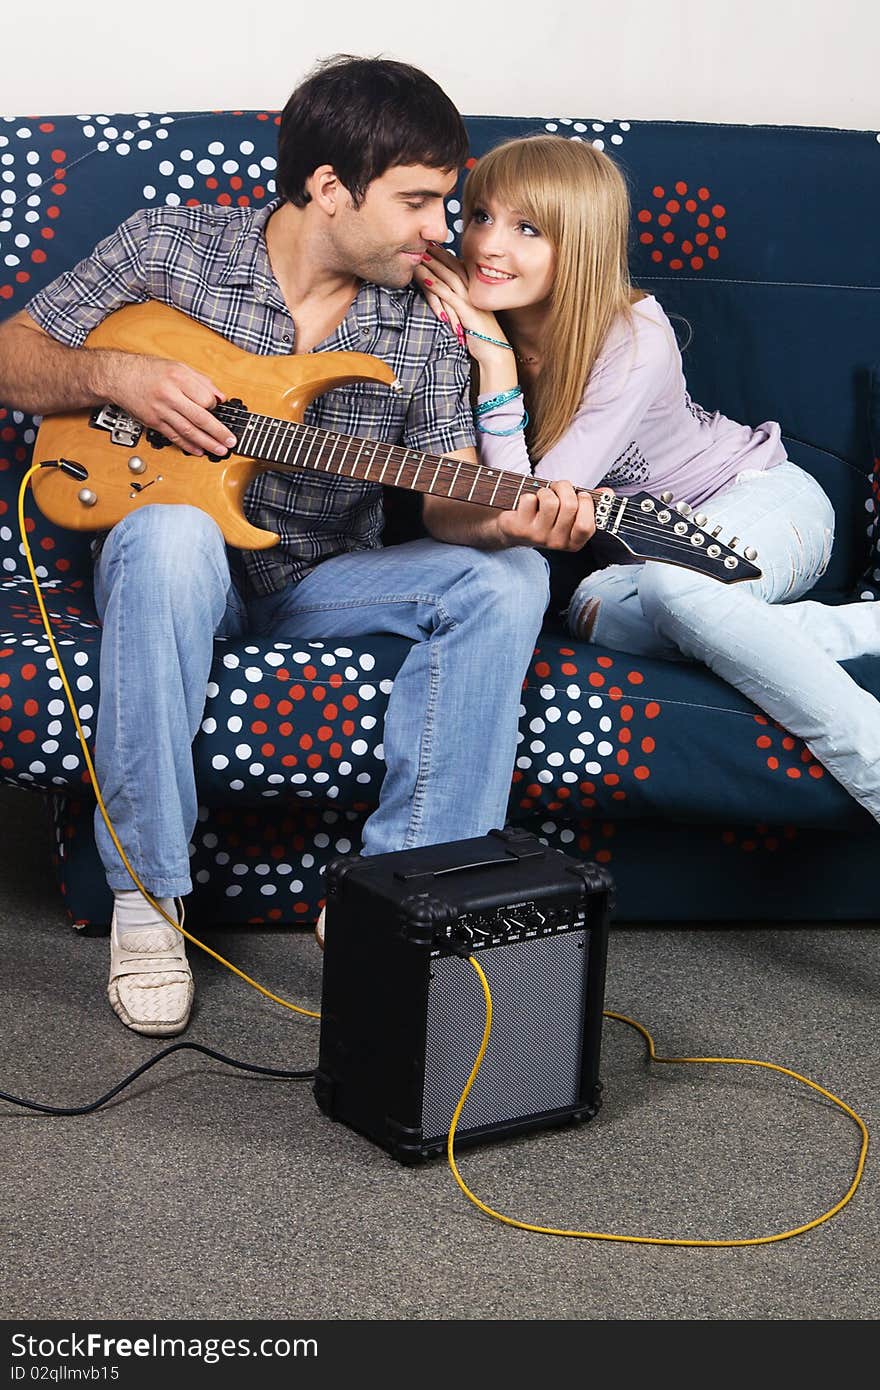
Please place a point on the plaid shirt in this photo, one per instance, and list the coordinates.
(212, 263)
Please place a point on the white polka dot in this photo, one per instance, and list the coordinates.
(70, 762)
(234, 723)
(209, 726)
(253, 673)
(604, 749)
(219, 761)
(238, 697)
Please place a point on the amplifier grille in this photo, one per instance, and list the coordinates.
(533, 1061)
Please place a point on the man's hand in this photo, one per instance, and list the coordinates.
(557, 517)
(169, 397)
(43, 377)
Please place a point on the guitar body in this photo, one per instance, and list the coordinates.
(124, 475)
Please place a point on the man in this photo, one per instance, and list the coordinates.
(368, 149)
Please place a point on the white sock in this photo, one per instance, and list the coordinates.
(134, 913)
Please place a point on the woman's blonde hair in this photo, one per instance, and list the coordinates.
(576, 197)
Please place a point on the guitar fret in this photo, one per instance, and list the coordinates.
(491, 502)
(300, 436)
(259, 426)
(415, 477)
(289, 441)
(368, 466)
(348, 444)
(451, 489)
(315, 439)
(433, 483)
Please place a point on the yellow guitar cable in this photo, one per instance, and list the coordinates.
(651, 1240)
(297, 1008)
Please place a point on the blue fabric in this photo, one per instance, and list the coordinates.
(700, 806)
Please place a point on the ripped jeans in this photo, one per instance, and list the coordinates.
(761, 636)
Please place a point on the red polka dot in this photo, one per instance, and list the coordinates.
(652, 709)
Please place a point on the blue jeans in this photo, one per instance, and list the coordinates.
(163, 591)
(778, 648)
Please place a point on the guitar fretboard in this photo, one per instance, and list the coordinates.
(289, 444)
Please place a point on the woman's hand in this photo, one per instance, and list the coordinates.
(443, 280)
(437, 263)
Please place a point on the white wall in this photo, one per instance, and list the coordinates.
(787, 62)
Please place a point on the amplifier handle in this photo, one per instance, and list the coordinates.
(538, 853)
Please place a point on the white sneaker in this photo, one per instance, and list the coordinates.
(151, 985)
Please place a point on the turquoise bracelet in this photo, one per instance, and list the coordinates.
(494, 402)
(496, 342)
(520, 425)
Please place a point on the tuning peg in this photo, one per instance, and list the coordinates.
(701, 519)
(667, 497)
(750, 552)
(682, 508)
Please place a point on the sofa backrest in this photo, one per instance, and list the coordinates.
(761, 241)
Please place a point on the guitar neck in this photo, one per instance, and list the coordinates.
(289, 444)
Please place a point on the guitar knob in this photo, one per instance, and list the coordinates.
(750, 552)
(701, 519)
(136, 464)
(667, 497)
(683, 508)
(87, 497)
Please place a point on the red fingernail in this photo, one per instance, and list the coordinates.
(428, 282)
(444, 318)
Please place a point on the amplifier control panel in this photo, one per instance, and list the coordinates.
(509, 922)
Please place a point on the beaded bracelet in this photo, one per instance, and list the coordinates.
(520, 425)
(496, 342)
(494, 402)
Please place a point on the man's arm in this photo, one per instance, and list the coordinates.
(555, 518)
(42, 376)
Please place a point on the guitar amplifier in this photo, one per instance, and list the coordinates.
(403, 1010)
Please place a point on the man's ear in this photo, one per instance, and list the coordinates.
(327, 191)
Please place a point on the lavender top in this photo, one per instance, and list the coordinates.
(636, 427)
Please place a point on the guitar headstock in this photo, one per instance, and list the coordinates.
(658, 528)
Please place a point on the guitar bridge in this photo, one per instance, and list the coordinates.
(122, 427)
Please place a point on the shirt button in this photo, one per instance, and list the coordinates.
(285, 337)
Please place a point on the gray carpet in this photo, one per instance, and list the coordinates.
(201, 1192)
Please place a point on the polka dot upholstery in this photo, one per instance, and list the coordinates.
(701, 807)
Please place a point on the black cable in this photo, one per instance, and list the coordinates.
(166, 1052)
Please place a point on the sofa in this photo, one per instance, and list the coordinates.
(761, 242)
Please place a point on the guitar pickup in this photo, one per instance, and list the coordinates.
(123, 428)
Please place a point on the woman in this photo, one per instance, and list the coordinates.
(580, 377)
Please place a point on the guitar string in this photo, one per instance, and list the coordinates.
(639, 523)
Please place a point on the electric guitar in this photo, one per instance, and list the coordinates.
(101, 464)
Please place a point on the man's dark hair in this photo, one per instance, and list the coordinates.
(364, 116)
